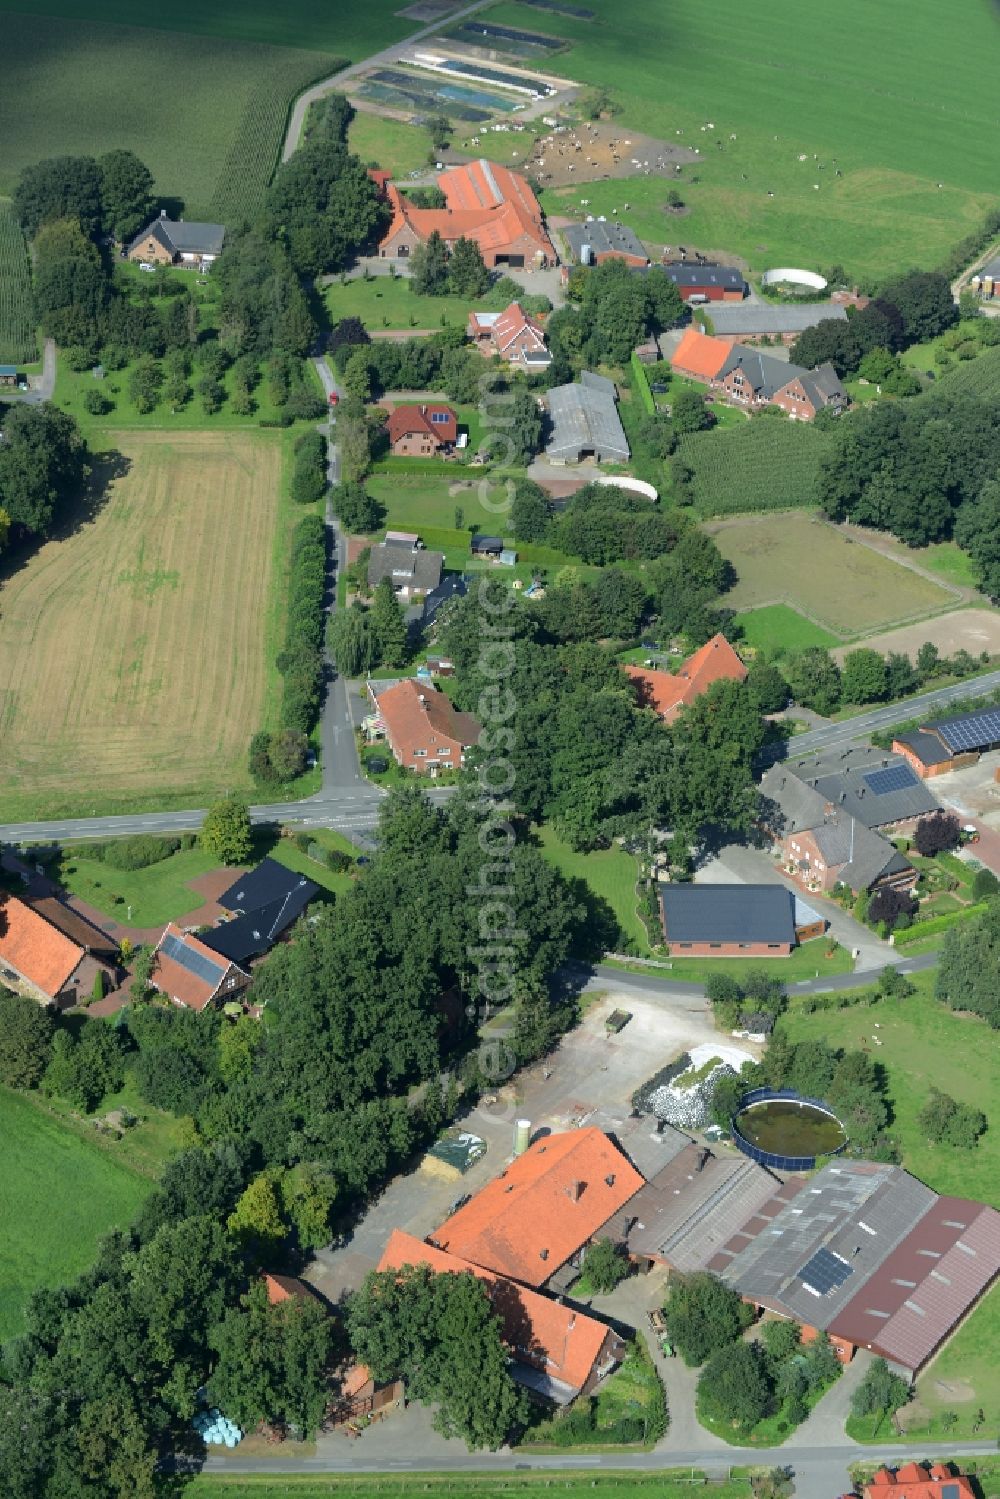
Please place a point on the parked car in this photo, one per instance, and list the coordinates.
(144, 265)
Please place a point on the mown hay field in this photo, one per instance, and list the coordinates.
(800, 560)
(134, 653)
(899, 97)
(17, 318)
(59, 1194)
(206, 115)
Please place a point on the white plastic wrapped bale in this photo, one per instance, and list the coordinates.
(216, 1430)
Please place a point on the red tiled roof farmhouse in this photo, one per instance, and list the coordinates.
(699, 355)
(190, 973)
(668, 692)
(422, 727)
(439, 422)
(512, 322)
(31, 946)
(546, 1206)
(548, 1333)
(485, 202)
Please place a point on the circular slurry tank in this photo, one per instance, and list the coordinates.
(786, 1130)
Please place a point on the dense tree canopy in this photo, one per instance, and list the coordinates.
(703, 1315)
(968, 975)
(61, 187)
(43, 464)
(323, 207)
(441, 1335)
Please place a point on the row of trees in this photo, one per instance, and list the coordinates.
(111, 196)
(815, 680)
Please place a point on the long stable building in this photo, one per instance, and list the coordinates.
(950, 743)
(862, 1251)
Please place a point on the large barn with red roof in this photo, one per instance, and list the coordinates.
(484, 202)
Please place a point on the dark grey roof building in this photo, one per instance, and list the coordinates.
(867, 1253)
(873, 785)
(264, 902)
(585, 422)
(706, 278)
(759, 319)
(714, 914)
(187, 238)
(410, 568)
(603, 238)
(693, 1206)
(766, 375)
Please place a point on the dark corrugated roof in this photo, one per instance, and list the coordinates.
(727, 913)
(928, 748)
(726, 276)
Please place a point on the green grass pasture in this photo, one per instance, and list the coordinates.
(777, 629)
(908, 125)
(924, 1045)
(59, 1193)
(580, 1484)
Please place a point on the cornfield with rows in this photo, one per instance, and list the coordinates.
(17, 316)
(256, 146)
(770, 464)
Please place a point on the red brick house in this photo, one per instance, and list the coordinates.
(668, 692)
(486, 203)
(423, 730)
(513, 335)
(422, 431)
(707, 282)
(47, 962)
(191, 975)
(753, 379)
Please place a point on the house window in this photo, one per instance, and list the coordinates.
(772, 945)
(444, 751)
(422, 753)
(715, 944)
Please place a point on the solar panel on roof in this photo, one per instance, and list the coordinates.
(971, 733)
(824, 1272)
(894, 778)
(195, 962)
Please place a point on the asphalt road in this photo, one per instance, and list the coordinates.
(603, 976)
(818, 1470)
(837, 735)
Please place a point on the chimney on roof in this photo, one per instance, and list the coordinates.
(574, 1191)
(543, 1254)
(843, 796)
(163, 213)
(609, 1180)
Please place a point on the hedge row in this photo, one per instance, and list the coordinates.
(642, 384)
(301, 660)
(935, 924)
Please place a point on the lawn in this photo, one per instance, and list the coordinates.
(135, 653)
(388, 302)
(610, 874)
(578, 1484)
(947, 559)
(924, 1045)
(799, 560)
(86, 86)
(776, 629)
(895, 121)
(162, 892)
(59, 1193)
(17, 318)
(805, 962)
